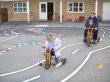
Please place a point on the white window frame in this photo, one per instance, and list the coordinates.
(20, 7)
(72, 6)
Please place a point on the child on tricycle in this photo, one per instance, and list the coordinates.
(52, 46)
(90, 31)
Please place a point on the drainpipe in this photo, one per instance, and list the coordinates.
(96, 7)
(60, 11)
(28, 12)
(2, 5)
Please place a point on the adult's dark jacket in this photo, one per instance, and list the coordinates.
(95, 22)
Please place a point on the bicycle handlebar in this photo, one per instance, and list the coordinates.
(89, 28)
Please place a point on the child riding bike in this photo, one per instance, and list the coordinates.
(53, 44)
(95, 24)
(90, 24)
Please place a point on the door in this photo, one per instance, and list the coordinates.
(43, 10)
(4, 14)
(50, 10)
(106, 11)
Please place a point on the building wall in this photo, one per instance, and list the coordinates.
(89, 6)
(100, 8)
(106, 0)
(34, 10)
(14, 16)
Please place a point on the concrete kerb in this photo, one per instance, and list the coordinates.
(70, 25)
(49, 24)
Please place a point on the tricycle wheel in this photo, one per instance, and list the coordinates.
(63, 61)
(47, 65)
(88, 42)
(85, 40)
(98, 39)
(40, 64)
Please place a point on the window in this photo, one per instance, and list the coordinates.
(76, 7)
(43, 8)
(20, 7)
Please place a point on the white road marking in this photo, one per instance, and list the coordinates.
(103, 35)
(100, 39)
(107, 28)
(28, 80)
(39, 43)
(21, 69)
(103, 32)
(41, 26)
(72, 53)
(16, 34)
(70, 45)
(14, 46)
(5, 74)
(25, 44)
(9, 48)
(75, 51)
(34, 44)
(1, 37)
(4, 31)
(20, 45)
(102, 29)
(12, 31)
(58, 65)
(1, 53)
(84, 62)
(6, 34)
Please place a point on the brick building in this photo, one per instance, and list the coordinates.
(52, 10)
